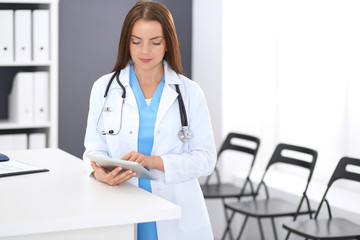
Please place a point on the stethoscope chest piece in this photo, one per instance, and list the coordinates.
(184, 134)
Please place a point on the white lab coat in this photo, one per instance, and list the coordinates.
(183, 162)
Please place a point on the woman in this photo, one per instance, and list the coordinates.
(150, 68)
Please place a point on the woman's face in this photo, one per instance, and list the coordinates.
(147, 45)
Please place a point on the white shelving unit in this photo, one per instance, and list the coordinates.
(52, 65)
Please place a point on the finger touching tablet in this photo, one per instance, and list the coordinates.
(111, 163)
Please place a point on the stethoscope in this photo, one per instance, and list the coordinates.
(184, 134)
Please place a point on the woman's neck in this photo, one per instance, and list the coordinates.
(149, 79)
(151, 76)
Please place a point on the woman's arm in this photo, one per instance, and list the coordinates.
(200, 157)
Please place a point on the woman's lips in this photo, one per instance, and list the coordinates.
(145, 60)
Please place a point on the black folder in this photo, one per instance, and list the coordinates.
(13, 168)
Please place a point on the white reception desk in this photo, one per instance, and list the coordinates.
(64, 203)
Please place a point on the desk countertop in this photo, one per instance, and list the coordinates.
(65, 198)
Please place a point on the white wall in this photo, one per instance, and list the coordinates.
(206, 70)
(206, 57)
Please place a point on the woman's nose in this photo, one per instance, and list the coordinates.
(146, 48)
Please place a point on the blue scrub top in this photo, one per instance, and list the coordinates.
(147, 118)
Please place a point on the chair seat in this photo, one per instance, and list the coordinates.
(335, 228)
(265, 208)
(224, 190)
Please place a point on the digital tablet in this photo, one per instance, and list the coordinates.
(111, 163)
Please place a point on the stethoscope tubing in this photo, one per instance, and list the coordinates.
(183, 116)
(184, 133)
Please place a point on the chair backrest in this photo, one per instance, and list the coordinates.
(278, 157)
(230, 143)
(340, 172)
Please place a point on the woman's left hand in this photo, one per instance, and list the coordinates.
(150, 162)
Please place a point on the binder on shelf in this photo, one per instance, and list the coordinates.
(41, 35)
(6, 36)
(41, 97)
(21, 107)
(16, 141)
(22, 35)
(37, 140)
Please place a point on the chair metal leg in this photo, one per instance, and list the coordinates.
(242, 228)
(261, 229)
(288, 235)
(227, 229)
(274, 228)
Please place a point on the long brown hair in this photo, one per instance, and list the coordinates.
(147, 10)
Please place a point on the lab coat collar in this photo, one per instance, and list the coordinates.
(125, 75)
(171, 76)
(169, 94)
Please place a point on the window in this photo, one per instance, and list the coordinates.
(291, 73)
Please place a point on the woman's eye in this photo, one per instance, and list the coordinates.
(136, 43)
(156, 43)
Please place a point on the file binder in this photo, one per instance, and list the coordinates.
(17, 141)
(41, 97)
(37, 140)
(21, 107)
(6, 36)
(22, 35)
(41, 35)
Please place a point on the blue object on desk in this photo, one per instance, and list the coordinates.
(3, 158)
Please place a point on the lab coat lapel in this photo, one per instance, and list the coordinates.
(169, 94)
(168, 97)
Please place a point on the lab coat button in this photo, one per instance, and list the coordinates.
(158, 189)
(158, 132)
(130, 132)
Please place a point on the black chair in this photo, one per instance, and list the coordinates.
(274, 207)
(220, 190)
(330, 228)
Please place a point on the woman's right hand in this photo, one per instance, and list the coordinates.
(111, 177)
